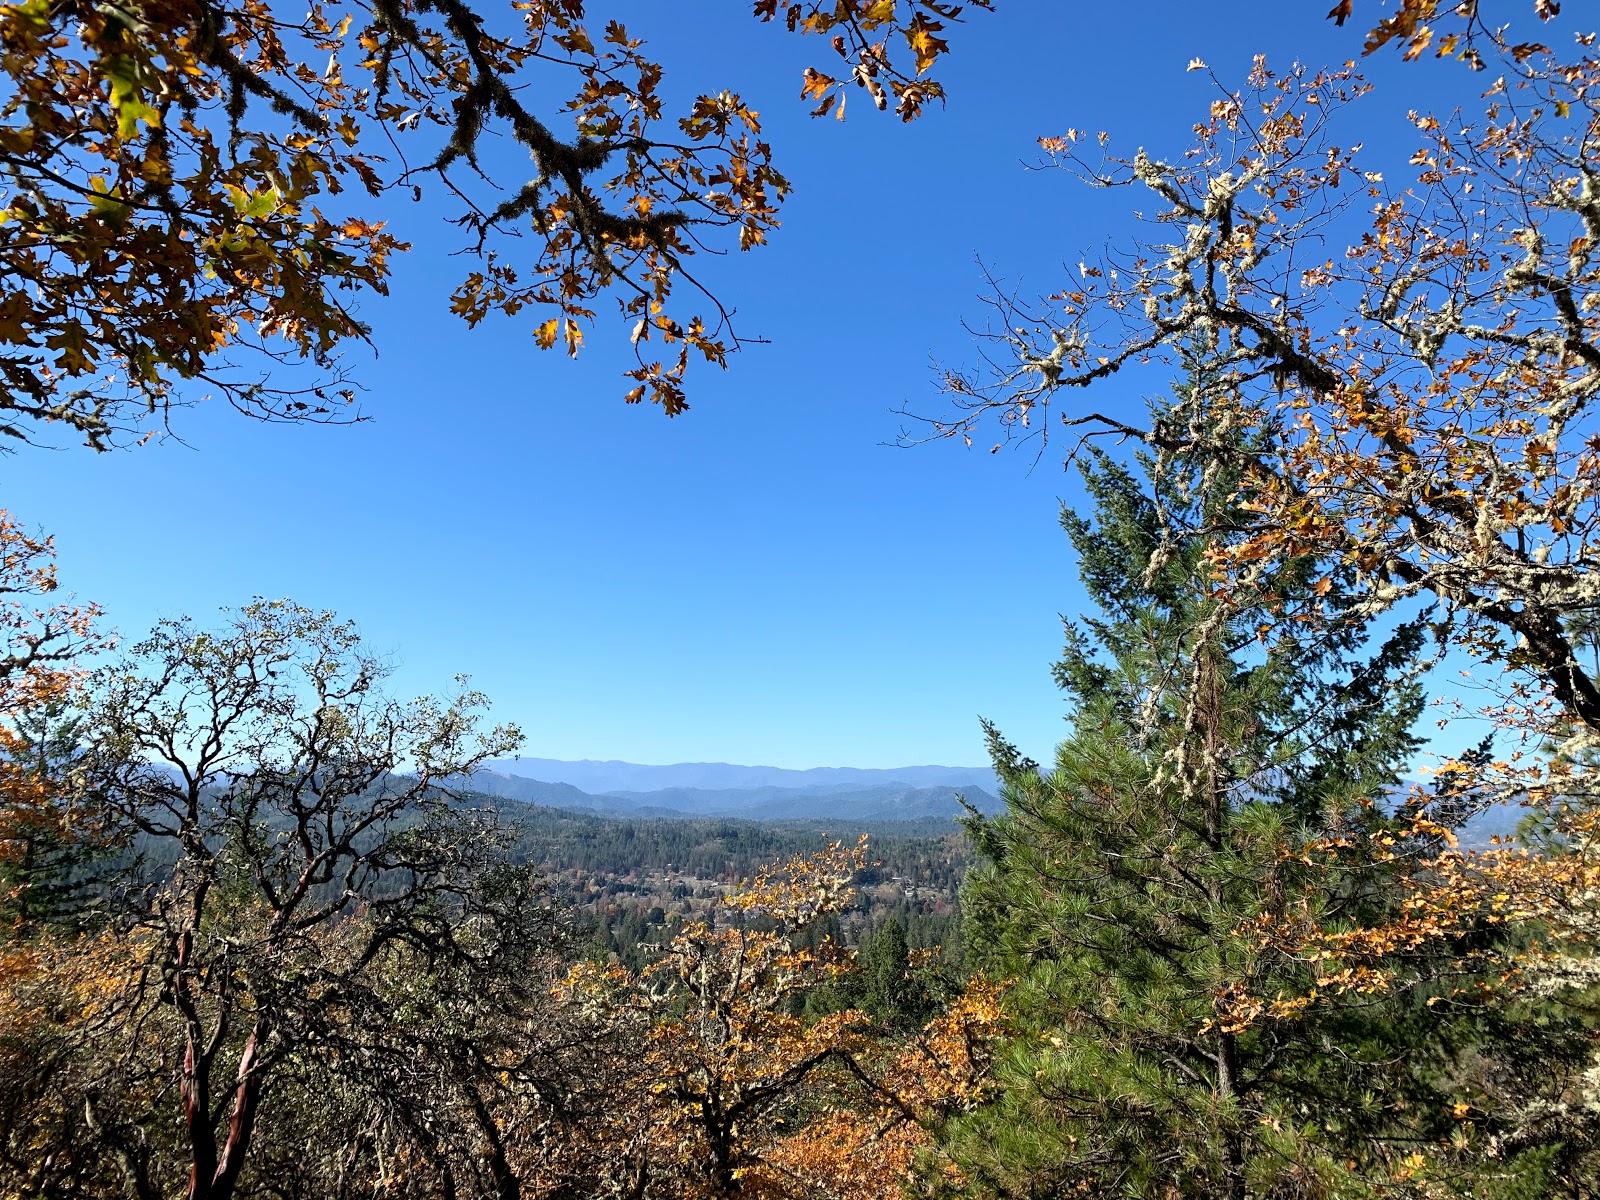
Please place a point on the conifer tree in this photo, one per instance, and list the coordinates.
(1162, 1049)
(895, 991)
(50, 878)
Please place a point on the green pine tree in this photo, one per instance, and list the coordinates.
(1211, 735)
(52, 877)
(894, 992)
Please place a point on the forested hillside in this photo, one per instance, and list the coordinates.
(634, 882)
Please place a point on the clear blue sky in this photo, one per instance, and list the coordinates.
(760, 580)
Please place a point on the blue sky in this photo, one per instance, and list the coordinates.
(761, 580)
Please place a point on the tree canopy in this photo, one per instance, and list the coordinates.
(197, 192)
(194, 188)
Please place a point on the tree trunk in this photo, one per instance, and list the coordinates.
(1232, 1139)
(215, 1175)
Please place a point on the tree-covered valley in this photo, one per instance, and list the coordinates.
(631, 884)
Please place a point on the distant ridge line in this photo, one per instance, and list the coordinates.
(838, 802)
(615, 775)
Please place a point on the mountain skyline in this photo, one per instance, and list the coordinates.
(830, 793)
(606, 776)
(689, 791)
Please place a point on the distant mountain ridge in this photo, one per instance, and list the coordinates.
(835, 798)
(839, 794)
(599, 778)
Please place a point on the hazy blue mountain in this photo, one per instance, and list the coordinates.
(823, 802)
(601, 777)
(555, 795)
(1497, 821)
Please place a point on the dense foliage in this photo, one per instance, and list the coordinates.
(629, 884)
(1162, 1046)
(197, 190)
